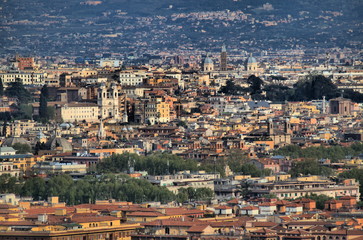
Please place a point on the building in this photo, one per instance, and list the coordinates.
(25, 63)
(223, 58)
(108, 102)
(131, 79)
(340, 106)
(27, 78)
(292, 189)
(76, 111)
(251, 64)
(208, 65)
(59, 167)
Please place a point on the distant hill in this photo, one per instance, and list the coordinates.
(28, 25)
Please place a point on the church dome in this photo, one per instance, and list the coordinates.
(251, 60)
(208, 60)
(56, 142)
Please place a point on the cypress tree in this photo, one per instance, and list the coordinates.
(43, 104)
(1, 87)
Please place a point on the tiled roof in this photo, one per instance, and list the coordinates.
(144, 214)
(197, 228)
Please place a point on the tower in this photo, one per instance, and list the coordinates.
(208, 65)
(287, 126)
(270, 127)
(223, 58)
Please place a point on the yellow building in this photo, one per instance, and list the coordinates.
(23, 162)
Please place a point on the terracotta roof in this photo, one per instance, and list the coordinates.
(182, 211)
(7, 206)
(307, 223)
(346, 232)
(17, 223)
(267, 204)
(93, 219)
(171, 222)
(145, 214)
(299, 232)
(197, 228)
(264, 230)
(48, 210)
(223, 207)
(318, 228)
(250, 208)
(263, 224)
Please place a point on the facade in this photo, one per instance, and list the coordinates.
(108, 102)
(17, 165)
(251, 64)
(131, 79)
(208, 65)
(75, 111)
(157, 111)
(340, 106)
(58, 167)
(295, 188)
(27, 78)
(25, 63)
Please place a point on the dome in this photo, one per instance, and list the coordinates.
(12, 140)
(208, 60)
(56, 142)
(251, 60)
(66, 125)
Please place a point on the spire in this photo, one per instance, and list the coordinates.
(224, 48)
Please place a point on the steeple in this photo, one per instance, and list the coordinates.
(223, 59)
(287, 126)
(270, 127)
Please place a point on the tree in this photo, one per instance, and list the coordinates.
(1, 87)
(16, 89)
(311, 167)
(21, 148)
(255, 84)
(8, 184)
(232, 89)
(319, 199)
(314, 87)
(43, 104)
(35, 188)
(356, 174)
(251, 169)
(235, 159)
(204, 194)
(4, 129)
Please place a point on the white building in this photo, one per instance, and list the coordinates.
(71, 112)
(131, 79)
(27, 78)
(108, 101)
